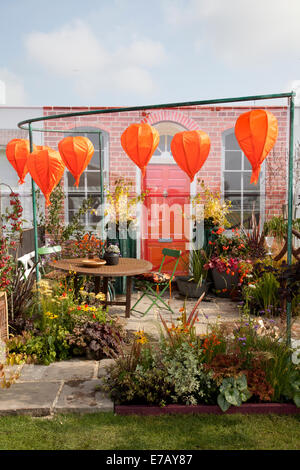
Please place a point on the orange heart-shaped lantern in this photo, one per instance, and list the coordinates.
(256, 132)
(190, 150)
(76, 153)
(17, 151)
(46, 168)
(140, 141)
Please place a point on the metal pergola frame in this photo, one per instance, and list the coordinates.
(27, 125)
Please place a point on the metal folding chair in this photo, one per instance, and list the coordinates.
(151, 283)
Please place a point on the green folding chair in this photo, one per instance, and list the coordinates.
(49, 250)
(151, 283)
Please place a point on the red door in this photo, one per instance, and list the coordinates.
(166, 223)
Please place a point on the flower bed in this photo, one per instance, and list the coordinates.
(246, 368)
(246, 408)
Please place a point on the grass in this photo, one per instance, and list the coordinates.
(104, 431)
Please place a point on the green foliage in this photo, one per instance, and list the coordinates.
(292, 389)
(262, 294)
(233, 391)
(277, 227)
(53, 224)
(195, 264)
(43, 349)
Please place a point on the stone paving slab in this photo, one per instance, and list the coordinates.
(102, 367)
(35, 398)
(74, 369)
(82, 396)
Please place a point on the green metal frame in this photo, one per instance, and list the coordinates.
(149, 287)
(290, 96)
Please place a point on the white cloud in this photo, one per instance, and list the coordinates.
(240, 32)
(15, 94)
(75, 52)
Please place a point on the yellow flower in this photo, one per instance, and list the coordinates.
(100, 296)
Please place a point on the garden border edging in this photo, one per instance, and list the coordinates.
(246, 408)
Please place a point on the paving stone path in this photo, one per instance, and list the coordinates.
(75, 385)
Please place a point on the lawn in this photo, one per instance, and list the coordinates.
(104, 431)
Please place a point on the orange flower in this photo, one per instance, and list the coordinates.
(225, 247)
(220, 230)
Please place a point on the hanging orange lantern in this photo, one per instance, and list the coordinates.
(140, 141)
(46, 168)
(17, 151)
(76, 153)
(190, 150)
(43, 147)
(256, 132)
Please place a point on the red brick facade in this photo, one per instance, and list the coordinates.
(213, 120)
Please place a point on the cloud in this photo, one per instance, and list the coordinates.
(15, 94)
(244, 32)
(76, 53)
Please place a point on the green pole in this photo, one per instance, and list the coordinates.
(290, 210)
(101, 185)
(36, 256)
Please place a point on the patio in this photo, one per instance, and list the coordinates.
(74, 386)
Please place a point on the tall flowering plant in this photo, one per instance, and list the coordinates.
(121, 203)
(10, 230)
(215, 210)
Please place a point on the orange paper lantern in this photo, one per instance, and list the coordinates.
(46, 168)
(190, 149)
(256, 132)
(140, 141)
(76, 153)
(17, 151)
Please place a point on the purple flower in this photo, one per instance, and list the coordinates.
(242, 338)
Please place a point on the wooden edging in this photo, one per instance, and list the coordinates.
(246, 408)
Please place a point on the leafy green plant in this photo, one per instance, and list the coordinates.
(58, 232)
(233, 391)
(195, 263)
(292, 389)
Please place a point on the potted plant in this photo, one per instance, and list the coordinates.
(229, 262)
(195, 284)
(210, 212)
(112, 255)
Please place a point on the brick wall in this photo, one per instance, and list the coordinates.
(213, 120)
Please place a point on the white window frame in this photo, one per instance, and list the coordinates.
(84, 191)
(262, 179)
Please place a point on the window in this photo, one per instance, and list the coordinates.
(166, 131)
(89, 184)
(245, 197)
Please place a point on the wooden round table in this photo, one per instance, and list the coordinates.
(127, 267)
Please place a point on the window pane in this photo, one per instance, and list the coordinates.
(235, 201)
(95, 162)
(230, 142)
(248, 186)
(233, 160)
(93, 180)
(247, 164)
(234, 218)
(75, 202)
(71, 215)
(169, 140)
(71, 181)
(247, 219)
(232, 181)
(251, 202)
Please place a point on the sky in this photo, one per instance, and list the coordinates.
(138, 52)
